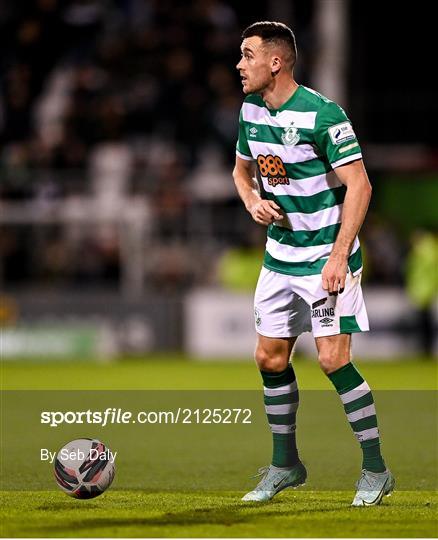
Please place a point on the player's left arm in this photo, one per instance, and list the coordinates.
(357, 197)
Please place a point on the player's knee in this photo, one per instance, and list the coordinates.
(327, 362)
(270, 361)
(331, 360)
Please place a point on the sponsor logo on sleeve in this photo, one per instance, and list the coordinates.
(341, 133)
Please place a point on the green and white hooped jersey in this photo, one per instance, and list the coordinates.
(296, 148)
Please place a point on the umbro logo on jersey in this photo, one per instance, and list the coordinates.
(326, 321)
(253, 132)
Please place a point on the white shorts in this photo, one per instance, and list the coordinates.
(286, 306)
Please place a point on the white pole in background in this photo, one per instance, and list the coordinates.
(331, 58)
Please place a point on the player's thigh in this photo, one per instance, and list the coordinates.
(279, 311)
(331, 314)
(272, 354)
(333, 351)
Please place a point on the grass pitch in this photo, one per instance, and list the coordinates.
(145, 514)
(166, 496)
(173, 371)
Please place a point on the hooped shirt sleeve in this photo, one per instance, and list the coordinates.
(335, 137)
(242, 146)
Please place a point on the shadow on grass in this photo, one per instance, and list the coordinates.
(235, 513)
(65, 505)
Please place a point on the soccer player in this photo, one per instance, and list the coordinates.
(315, 194)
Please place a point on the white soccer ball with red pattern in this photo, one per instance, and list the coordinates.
(84, 468)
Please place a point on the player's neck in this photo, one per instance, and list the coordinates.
(279, 92)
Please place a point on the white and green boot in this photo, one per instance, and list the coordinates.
(371, 487)
(275, 480)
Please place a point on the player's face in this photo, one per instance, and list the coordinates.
(254, 66)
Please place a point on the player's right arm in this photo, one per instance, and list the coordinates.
(262, 211)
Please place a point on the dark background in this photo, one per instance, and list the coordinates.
(121, 116)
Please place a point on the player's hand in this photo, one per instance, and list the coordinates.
(334, 274)
(265, 212)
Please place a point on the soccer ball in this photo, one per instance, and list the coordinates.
(84, 468)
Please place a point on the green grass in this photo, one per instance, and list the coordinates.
(187, 481)
(291, 514)
(177, 372)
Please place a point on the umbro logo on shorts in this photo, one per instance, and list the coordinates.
(326, 321)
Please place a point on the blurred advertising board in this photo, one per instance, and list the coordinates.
(47, 342)
(86, 325)
(221, 324)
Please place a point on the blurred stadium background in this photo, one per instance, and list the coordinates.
(121, 231)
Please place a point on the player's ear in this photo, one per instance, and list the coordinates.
(275, 65)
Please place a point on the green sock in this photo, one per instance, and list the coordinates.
(281, 403)
(361, 413)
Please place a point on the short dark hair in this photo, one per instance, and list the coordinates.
(275, 33)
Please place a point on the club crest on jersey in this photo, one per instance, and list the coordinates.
(290, 135)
